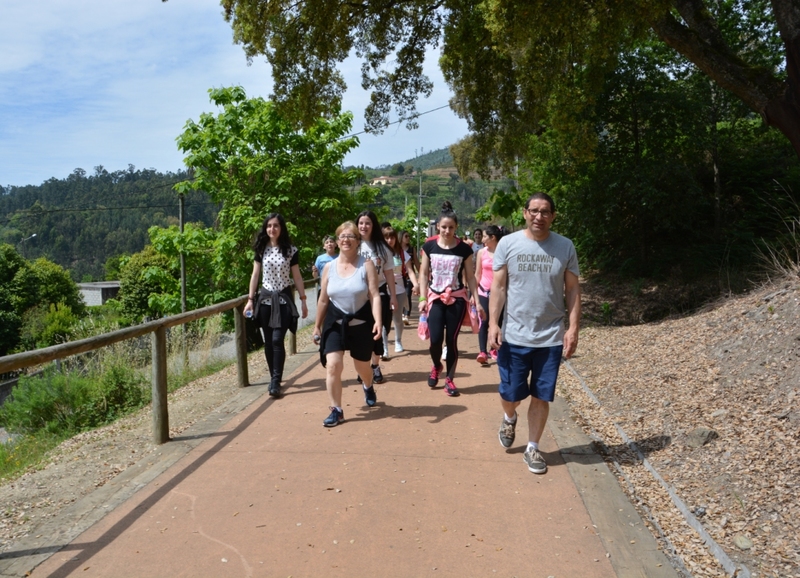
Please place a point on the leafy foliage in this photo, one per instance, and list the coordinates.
(515, 64)
(66, 404)
(253, 161)
(143, 276)
(678, 181)
(47, 325)
(27, 292)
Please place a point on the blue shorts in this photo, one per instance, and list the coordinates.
(516, 363)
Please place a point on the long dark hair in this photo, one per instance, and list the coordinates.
(262, 240)
(376, 235)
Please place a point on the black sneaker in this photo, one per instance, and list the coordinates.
(336, 417)
(377, 376)
(433, 378)
(370, 396)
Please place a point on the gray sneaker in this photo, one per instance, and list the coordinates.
(507, 433)
(535, 461)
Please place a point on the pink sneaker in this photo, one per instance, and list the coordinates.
(450, 387)
(493, 353)
(433, 378)
(482, 358)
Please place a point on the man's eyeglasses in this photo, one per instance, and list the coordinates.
(347, 237)
(536, 212)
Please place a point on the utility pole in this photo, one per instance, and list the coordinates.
(184, 348)
(419, 210)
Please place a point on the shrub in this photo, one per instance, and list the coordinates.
(65, 404)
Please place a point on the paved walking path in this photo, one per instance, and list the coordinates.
(417, 486)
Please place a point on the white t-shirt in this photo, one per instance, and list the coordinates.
(367, 250)
(399, 284)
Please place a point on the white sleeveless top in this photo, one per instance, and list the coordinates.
(348, 294)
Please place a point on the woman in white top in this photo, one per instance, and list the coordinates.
(348, 319)
(373, 246)
(271, 300)
(401, 262)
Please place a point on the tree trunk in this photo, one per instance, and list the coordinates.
(783, 111)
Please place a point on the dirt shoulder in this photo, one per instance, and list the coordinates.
(734, 369)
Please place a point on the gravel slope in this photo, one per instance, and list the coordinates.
(733, 369)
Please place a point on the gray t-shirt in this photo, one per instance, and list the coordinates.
(535, 307)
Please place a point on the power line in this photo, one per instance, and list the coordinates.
(412, 117)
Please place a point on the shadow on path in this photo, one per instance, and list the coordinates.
(89, 549)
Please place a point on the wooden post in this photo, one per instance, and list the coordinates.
(184, 346)
(241, 346)
(160, 411)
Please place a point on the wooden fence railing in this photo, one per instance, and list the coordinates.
(159, 353)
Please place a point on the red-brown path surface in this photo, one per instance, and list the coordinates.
(417, 486)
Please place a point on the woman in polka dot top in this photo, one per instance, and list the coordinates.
(275, 266)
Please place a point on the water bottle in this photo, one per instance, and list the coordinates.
(249, 314)
(422, 328)
(473, 318)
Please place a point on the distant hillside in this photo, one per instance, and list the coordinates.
(439, 158)
(82, 220)
(433, 159)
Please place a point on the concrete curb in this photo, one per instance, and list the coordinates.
(630, 544)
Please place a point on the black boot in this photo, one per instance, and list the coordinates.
(275, 387)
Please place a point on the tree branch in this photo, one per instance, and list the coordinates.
(704, 47)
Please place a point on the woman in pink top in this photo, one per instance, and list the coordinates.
(483, 276)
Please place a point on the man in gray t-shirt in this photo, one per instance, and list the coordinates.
(536, 280)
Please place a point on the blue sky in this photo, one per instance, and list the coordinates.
(105, 82)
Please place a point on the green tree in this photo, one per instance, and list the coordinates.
(511, 61)
(677, 180)
(255, 162)
(27, 288)
(56, 286)
(141, 278)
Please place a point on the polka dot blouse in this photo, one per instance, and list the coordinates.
(276, 269)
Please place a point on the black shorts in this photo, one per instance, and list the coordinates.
(359, 339)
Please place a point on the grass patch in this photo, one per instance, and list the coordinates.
(96, 389)
(18, 454)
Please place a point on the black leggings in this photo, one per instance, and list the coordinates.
(483, 334)
(274, 347)
(444, 323)
(386, 318)
(409, 288)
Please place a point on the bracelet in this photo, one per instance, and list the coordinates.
(302, 298)
(422, 299)
(251, 298)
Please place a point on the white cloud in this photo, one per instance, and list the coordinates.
(91, 82)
